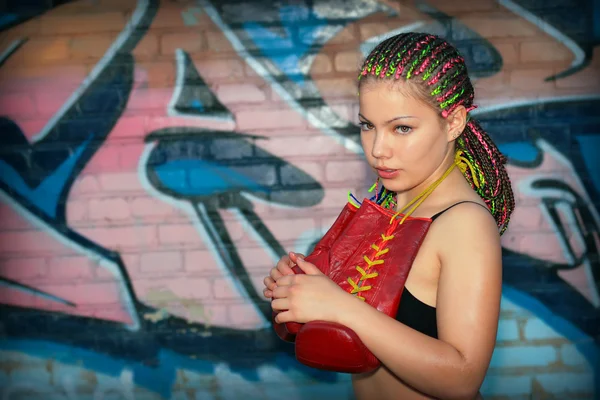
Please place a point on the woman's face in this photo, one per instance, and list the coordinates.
(403, 138)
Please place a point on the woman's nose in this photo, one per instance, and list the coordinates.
(381, 148)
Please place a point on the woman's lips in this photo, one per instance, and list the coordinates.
(387, 173)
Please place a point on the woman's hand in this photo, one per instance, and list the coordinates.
(283, 267)
(308, 297)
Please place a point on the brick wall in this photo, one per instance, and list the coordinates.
(154, 156)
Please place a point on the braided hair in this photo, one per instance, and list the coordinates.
(438, 73)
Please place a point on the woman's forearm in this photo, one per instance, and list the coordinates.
(429, 365)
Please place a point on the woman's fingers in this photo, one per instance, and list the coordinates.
(269, 283)
(280, 304)
(284, 265)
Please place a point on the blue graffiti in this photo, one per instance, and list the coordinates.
(288, 49)
(41, 173)
(7, 19)
(200, 178)
(192, 95)
(46, 196)
(520, 151)
(581, 340)
(158, 378)
(589, 146)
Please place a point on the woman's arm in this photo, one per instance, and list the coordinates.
(468, 306)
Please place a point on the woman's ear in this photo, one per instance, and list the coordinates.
(456, 122)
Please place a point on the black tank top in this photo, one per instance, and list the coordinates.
(413, 312)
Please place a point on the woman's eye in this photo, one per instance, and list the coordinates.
(365, 126)
(403, 129)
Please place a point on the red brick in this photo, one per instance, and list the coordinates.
(197, 312)
(93, 293)
(21, 77)
(244, 315)
(348, 112)
(538, 241)
(10, 218)
(125, 181)
(130, 260)
(225, 289)
(190, 288)
(105, 160)
(235, 228)
(308, 145)
(508, 50)
(150, 207)
(190, 42)
(26, 241)
(335, 198)
(290, 228)
(269, 119)
(157, 74)
(218, 42)
(530, 78)
(77, 211)
(86, 184)
(339, 87)
(168, 16)
(345, 36)
(81, 7)
(83, 23)
(543, 51)
(321, 64)
(217, 314)
(351, 171)
(129, 127)
(372, 29)
(104, 269)
(202, 261)
(49, 101)
(123, 237)
(23, 268)
(90, 47)
(589, 78)
(348, 61)
(240, 93)
(151, 101)
(65, 269)
(147, 48)
(215, 69)
(40, 51)
(256, 258)
(17, 105)
(178, 234)
(456, 6)
(109, 311)
(109, 209)
(161, 262)
(499, 25)
(31, 127)
(129, 156)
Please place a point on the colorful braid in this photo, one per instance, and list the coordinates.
(446, 85)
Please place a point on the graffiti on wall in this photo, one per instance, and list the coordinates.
(148, 184)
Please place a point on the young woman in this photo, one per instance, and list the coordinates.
(415, 96)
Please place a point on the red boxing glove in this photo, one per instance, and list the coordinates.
(320, 257)
(369, 255)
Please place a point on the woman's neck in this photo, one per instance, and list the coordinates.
(403, 198)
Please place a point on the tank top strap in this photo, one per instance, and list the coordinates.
(455, 204)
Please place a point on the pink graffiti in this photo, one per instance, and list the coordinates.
(167, 259)
(533, 231)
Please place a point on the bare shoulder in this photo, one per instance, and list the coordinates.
(470, 282)
(466, 226)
